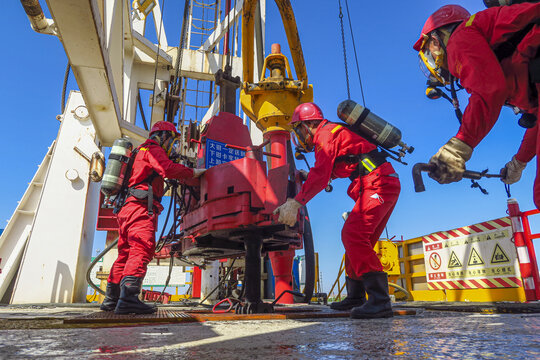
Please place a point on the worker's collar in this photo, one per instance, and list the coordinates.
(152, 141)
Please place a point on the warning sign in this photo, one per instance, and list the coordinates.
(475, 259)
(454, 261)
(499, 256)
(476, 256)
(435, 261)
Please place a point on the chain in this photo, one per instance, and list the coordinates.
(344, 51)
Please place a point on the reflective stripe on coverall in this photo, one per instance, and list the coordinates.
(491, 83)
(136, 242)
(375, 194)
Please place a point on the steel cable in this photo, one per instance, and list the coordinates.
(64, 87)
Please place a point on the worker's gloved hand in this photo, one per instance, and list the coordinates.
(450, 161)
(198, 172)
(288, 212)
(511, 172)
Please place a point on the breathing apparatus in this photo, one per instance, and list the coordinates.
(434, 65)
(169, 142)
(303, 138)
(373, 128)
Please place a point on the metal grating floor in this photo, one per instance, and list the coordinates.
(162, 315)
(177, 316)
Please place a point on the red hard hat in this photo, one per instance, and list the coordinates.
(307, 112)
(164, 126)
(446, 15)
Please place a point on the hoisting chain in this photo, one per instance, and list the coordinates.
(344, 50)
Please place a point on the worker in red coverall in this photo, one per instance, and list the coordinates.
(375, 187)
(495, 55)
(138, 218)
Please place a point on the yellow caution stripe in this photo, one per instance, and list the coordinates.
(470, 21)
(336, 129)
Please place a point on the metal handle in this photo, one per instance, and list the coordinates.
(467, 174)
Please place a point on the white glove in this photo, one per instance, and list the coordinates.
(288, 212)
(511, 173)
(450, 161)
(198, 172)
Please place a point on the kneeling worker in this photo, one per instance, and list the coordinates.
(375, 187)
(138, 219)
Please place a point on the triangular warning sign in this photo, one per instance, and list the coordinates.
(475, 258)
(499, 256)
(454, 261)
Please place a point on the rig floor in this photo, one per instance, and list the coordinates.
(419, 330)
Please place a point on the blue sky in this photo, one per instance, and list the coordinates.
(394, 87)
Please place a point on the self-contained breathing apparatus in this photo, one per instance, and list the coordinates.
(118, 171)
(436, 85)
(375, 130)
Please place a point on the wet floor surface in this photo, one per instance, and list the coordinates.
(430, 335)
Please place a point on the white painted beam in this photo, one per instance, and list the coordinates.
(81, 30)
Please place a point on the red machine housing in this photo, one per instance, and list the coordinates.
(237, 198)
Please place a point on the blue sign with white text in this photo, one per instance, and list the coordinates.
(217, 153)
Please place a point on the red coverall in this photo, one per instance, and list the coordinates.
(491, 83)
(375, 194)
(136, 243)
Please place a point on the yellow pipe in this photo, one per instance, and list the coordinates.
(289, 23)
(248, 28)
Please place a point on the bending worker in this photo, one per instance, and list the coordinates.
(138, 218)
(375, 187)
(495, 55)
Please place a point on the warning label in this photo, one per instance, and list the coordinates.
(475, 259)
(454, 261)
(435, 261)
(491, 254)
(499, 256)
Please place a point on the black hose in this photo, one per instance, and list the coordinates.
(94, 262)
(309, 253)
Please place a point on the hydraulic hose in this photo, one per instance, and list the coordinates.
(94, 262)
(309, 253)
(407, 293)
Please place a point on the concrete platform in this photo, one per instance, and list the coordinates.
(38, 332)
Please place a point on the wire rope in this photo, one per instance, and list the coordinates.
(64, 87)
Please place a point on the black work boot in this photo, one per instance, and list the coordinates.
(111, 297)
(129, 302)
(356, 295)
(378, 303)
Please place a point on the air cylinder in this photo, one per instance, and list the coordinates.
(368, 125)
(115, 171)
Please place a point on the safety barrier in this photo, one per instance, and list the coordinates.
(525, 249)
(489, 261)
